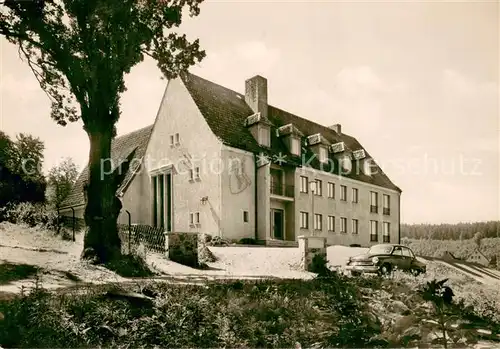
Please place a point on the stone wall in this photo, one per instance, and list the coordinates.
(182, 248)
(309, 247)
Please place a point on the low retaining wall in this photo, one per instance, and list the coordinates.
(309, 247)
(182, 248)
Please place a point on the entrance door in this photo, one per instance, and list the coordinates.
(278, 224)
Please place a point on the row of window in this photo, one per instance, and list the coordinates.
(317, 189)
(318, 225)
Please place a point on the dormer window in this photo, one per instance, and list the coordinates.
(347, 163)
(291, 136)
(323, 154)
(264, 136)
(260, 128)
(295, 146)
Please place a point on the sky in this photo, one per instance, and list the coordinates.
(417, 83)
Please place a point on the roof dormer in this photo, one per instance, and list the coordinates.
(260, 128)
(344, 156)
(291, 136)
(319, 145)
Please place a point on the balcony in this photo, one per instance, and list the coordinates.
(283, 190)
(373, 209)
(387, 211)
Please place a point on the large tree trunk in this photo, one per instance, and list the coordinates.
(102, 207)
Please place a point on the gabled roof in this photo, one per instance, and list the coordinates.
(124, 148)
(226, 110)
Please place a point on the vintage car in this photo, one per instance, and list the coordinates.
(382, 259)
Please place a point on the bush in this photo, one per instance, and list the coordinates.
(248, 241)
(30, 214)
(319, 265)
(219, 241)
(129, 266)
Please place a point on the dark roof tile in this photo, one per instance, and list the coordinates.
(132, 145)
(226, 110)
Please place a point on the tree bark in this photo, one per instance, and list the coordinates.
(103, 207)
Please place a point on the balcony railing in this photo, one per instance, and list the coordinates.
(283, 190)
(373, 237)
(387, 211)
(373, 209)
(386, 238)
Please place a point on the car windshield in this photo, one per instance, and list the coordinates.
(380, 249)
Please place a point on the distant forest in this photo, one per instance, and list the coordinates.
(459, 231)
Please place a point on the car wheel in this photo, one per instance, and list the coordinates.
(385, 269)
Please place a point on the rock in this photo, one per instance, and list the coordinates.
(374, 321)
(137, 299)
(398, 307)
(404, 323)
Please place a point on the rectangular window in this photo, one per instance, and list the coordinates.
(295, 146)
(318, 190)
(197, 218)
(161, 199)
(355, 225)
(158, 200)
(245, 216)
(177, 139)
(387, 205)
(323, 154)
(331, 190)
(373, 202)
(304, 220)
(343, 193)
(172, 140)
(196, 173)
(318, 221)
(355, 195)
(387, 232)
(191, 218)
(191, 175)
(373, 231)
(304, 184)
(331, 223)
(155, 201)
(343, 225)
(264, 136)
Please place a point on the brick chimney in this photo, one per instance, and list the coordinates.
(256, 94)
(337, 128)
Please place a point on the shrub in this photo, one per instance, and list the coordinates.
(129, 266)
(219, 241)
(319, 265)
(31, 215)
(247, 241)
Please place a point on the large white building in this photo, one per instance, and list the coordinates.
(220, 162)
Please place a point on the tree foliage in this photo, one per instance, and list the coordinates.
(79, 51)
(21, 179)
(456, 231)
(60, 181)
